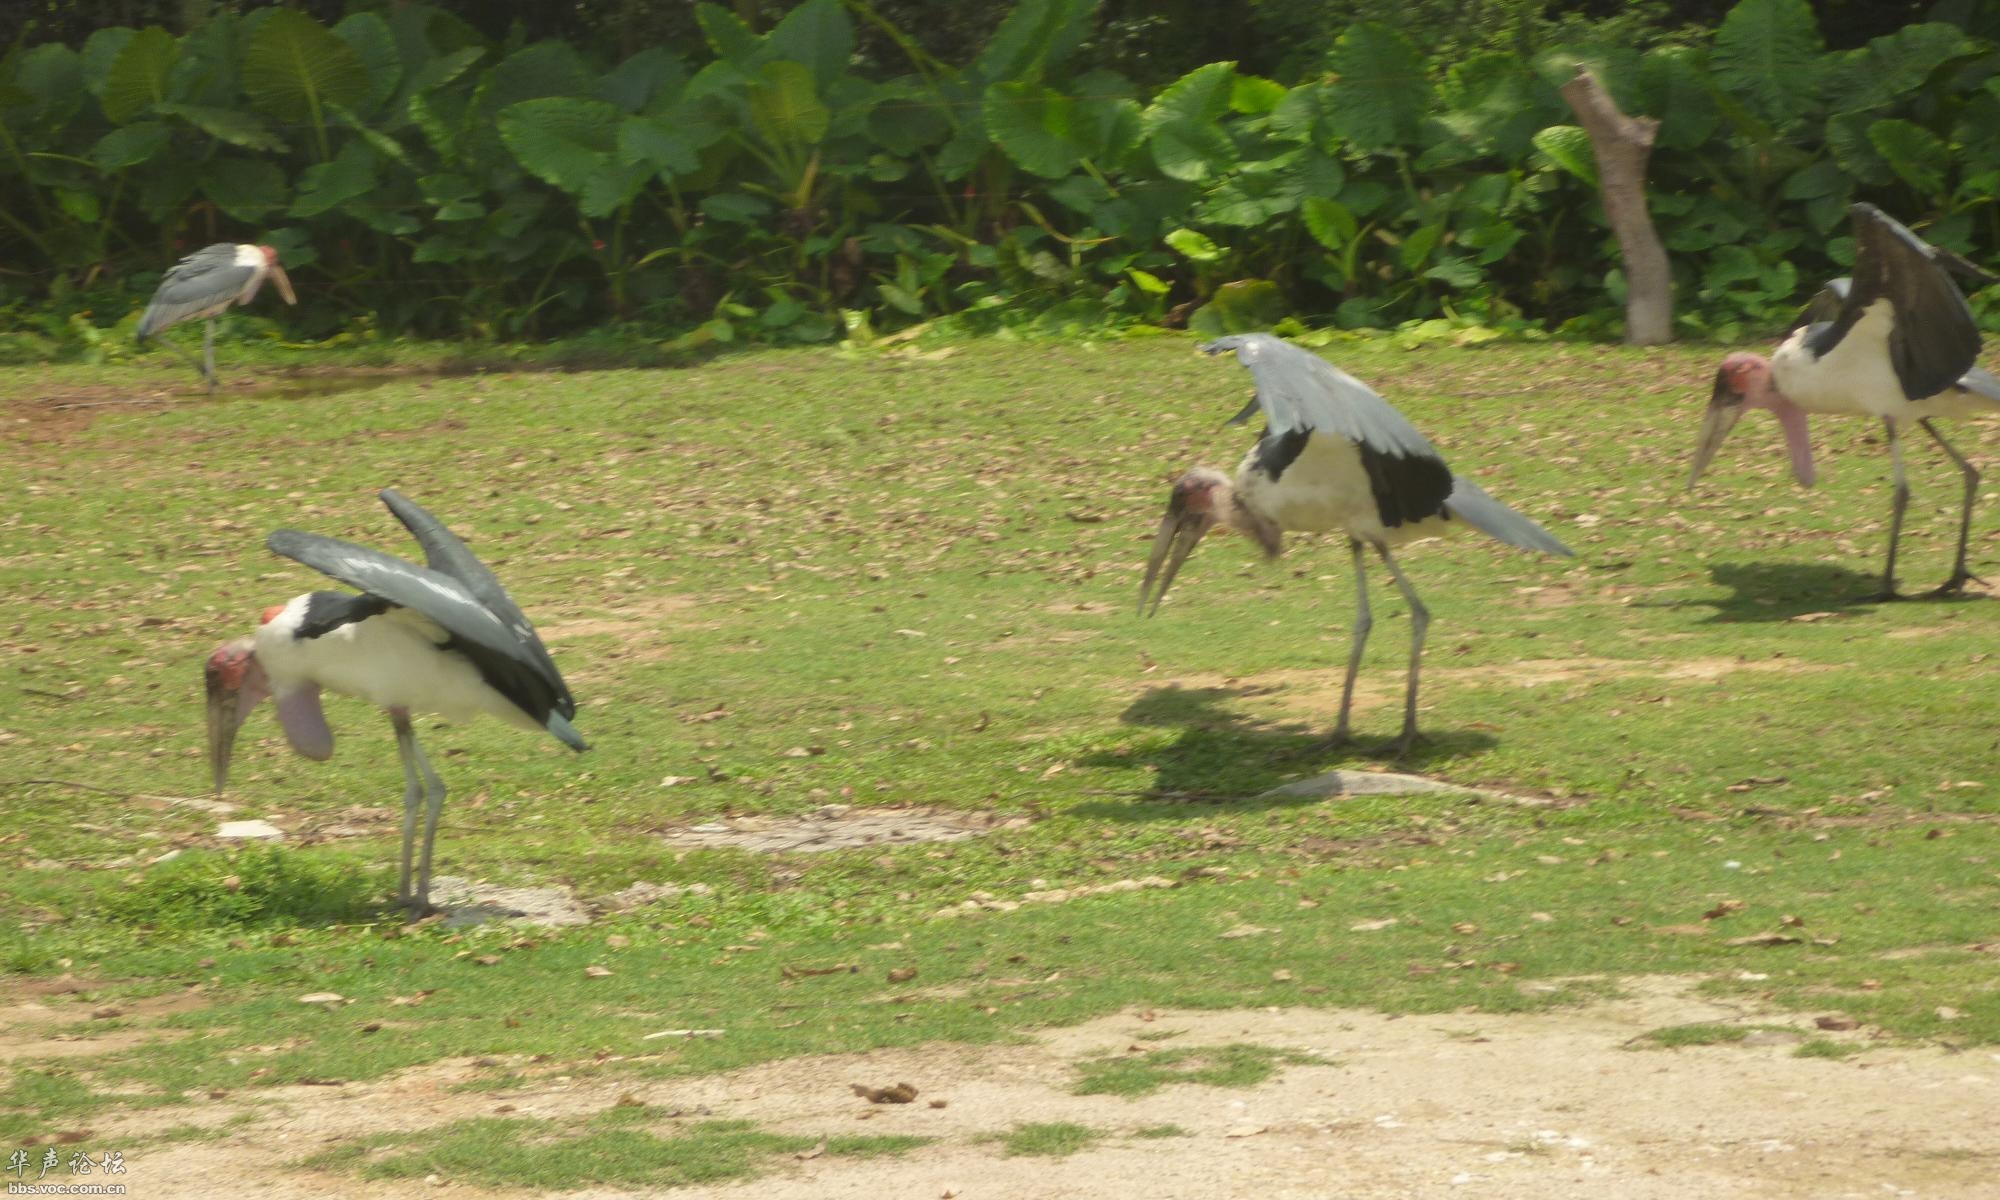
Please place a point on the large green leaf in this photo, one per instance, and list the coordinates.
(329, 185)
(375, 46)
(1917, 156)
(651, 78)
(1181, 125)
(1035, 39)
(669, 148)
(1329, 221)
(248, 189)
(1251, 198)
(785, 105)
(1493, 105)
(441, 70)
(543, 69)
(1568, 146)
(1854, 150)
(573, 144)
(1676, 87)
(130, 145)
(1241, 306)
(1039, 128)
(226, 125)
(731, 39)
(818, 33)
(137, 79)
(1383, 90)
(294, 66)
(1769, 53)
(1893, 67)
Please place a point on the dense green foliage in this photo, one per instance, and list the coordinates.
(421, 175)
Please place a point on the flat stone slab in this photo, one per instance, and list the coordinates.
(465, 902)
(251, 830)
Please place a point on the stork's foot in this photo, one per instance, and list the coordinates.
(1955, 586)
(1886, 596)
(1339, 739)
(417, 907)
(1401, 746)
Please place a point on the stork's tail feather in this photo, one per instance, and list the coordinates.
(1469, 503)
(565, 732)
(1982, 383)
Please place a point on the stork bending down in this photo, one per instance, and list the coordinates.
(205, 284)
(1334, 456)
(1896, 342)
(443, 638)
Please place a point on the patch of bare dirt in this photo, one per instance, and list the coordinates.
(58, 1018)
(1317, 692)
(1552, 1106)
(840, 827)
(60, 415)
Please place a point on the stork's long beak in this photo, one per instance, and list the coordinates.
(1180, 529)
(1725, 408)
(236, 684)
(283, 283)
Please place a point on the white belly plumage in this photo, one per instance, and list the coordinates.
(393, 660)
(1856, 376)
(1323, 490)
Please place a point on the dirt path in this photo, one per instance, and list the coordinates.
(1549, 1106)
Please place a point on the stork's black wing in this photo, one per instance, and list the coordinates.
(204, 279)
(511, 666)
(1302, 394)
(446, 554)
(1933, 338)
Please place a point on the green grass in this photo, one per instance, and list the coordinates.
(1699, 1034)
(924, 567)
(1238, 1065)
(1047, 1139)
(561, 1156)
(1160, 1131)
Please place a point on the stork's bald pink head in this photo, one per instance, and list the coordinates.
(279, 279)
(236, 684)
(1743, 381)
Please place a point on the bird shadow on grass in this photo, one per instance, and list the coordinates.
(1782, 591)
(1223, 756)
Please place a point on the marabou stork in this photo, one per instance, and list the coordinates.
(1897, 342)
(203, 285)
(443, 638)
(1334, 456)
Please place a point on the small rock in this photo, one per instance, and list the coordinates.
(251, 830)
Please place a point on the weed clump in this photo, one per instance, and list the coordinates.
(254, 886)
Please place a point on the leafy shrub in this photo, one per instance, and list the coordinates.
(779, 186)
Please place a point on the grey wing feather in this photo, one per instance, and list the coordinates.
(1470, 503)
(1298, 389)
(1981, 382)
(446, 554)
(406, 585)
(1824, 308)
(203, 280)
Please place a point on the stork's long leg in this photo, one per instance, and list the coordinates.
(1363, 622)
(1900, 504)
(413, 794)
(208, 352)
(1420, 621)
(189, 359)
(435, 787)
(1960, 575)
